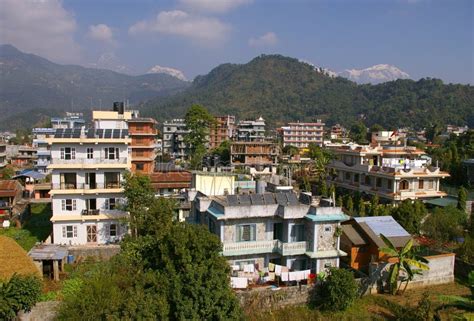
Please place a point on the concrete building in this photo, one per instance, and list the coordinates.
(302, 134)
(257, 156)
(274, 228)
(394, 173)
(386, 137)
(173, 139)
(70, 121)
(213, 183)
(40, 136)
(87, 168)
(222, 130)
(25, 156)
(3, 155)
(251, 130)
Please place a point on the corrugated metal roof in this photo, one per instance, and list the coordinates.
(385, 225)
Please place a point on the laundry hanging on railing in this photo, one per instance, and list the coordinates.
(238, 283)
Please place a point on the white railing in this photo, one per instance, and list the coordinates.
(293, 248)
(89, 161)
(250, 247)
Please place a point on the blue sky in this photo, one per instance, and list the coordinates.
(425, 38)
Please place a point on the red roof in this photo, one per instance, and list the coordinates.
(174, 179)
(9, 188)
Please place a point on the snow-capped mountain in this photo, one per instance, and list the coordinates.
(167, 70)
(375, 74)
(110, 61)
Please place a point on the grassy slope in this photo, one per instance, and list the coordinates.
(36, 229)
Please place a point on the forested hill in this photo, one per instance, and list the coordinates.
(284, 89)
(33, 88)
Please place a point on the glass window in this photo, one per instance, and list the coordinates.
(111, 153)
(328, 229)
(90, 153)
(297, 233)
(246, 232)
(68, 205)
(69, 231)
(113, 230)
(68, 153)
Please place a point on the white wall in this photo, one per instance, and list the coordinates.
(102, 232)
(81, 203)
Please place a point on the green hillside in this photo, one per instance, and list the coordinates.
(284, 89)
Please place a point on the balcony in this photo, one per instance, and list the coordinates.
(89, 161)
(90, 212)
(83, 186)
(261, 247)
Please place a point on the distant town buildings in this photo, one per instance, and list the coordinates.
(251, 130)
(394, 173)
(3, 155)
(40, 136)
(302, 134)
(222, 130)
(71, 120)
(173, 139)
(385, 137)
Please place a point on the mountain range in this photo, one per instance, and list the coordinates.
(33, 88)
(282, 89)
(278, 88)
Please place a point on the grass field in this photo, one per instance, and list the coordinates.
(372, 307)
(36, 229)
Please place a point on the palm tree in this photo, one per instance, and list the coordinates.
(406, 260)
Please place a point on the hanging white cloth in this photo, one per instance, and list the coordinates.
(239, 283)
(249, 268)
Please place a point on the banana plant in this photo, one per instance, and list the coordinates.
(406, 261)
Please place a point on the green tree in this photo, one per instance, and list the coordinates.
(290, 150)
(339, 290)
(462, 198)
(374, 203)
(7, 172)
(223, 151)
(376, 128)
(358, 133)
(198, 121)
(349, 205)
(362, 209)
(19, 293)
(140, 197)
(444, 225)
(406, 260)
(409, 214)
(339, 201)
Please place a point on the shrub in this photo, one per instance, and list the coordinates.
(339, 290)
(20, 293)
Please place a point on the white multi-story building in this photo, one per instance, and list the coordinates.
(394, 173)
(3, 155)
(71, 120)
(173, 138)
(40, 136)
(251, 130)
(302, 134)
(87, 167)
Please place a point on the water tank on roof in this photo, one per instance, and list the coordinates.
(119, 107)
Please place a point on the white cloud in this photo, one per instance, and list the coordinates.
(266, 40)
(101, 32)
(42, 27)
(213, 6)
(179, 23)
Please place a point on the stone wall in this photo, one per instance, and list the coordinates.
(326, 240)
(266, 299)
(42, 311)
(100, 252)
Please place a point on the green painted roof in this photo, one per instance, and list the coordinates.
(215, 212)
(442, 202)
(327, 218)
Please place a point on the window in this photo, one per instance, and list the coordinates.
(327, 229)
(69, 231)
(379, 182)
(389, 184)
(90, 153)
(113, 230)
(140, 166)
(403, 185)
(367, 180)
(110, 203)
(421, 184)
(430, 184)
(246, 233)
(68, 153)
(297, 233)
(111, 153)
(327, 265)
(68, 205)
(348, 176)
(356, 178)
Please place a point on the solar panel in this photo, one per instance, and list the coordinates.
(232, 200)
(281, 198)
(116, 133)
(58, 133)
(245, 199)
(108, 133)
(67, 133)
(100, 133)
(292, 200)
(268, 199)
(124, 133)
(76, 133)
(257, 199)
(90, 133)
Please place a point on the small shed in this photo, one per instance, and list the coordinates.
(49, 258)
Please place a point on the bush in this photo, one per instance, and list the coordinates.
(20, 293)
(339, 290)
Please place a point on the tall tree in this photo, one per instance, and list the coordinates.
(198, 121)
(405, 260)
(462, 198)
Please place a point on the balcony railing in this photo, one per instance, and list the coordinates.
(258, 247)
(90, 161)
(90, 212)
(84, 186)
